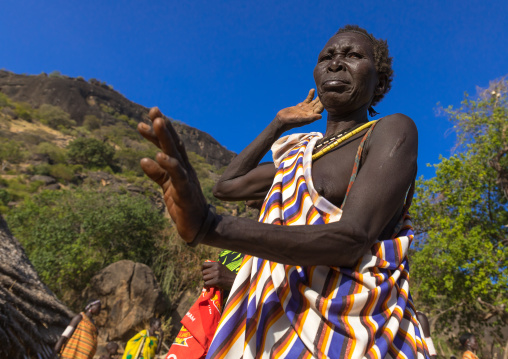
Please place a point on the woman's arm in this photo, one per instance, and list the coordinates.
(67, 332)
(243, 178)
(378, 193)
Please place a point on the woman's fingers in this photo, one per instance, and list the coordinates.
(154, 113)
(166, 139)
(175, 170)
(147, 132)
(318, 106)
(154, 171)
(310, 96)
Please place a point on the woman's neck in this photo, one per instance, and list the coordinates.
(339, 122)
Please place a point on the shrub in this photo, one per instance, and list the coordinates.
(129, 159)
(24, 111)
(90, 152)
(55, 153)
(55, 117)
(5, 197)
(12, 151)
(5, 101)
(91, 122)
(62, 172)
(70, 235)
(55, 74)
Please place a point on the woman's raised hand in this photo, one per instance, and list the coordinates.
(302, 114)
(172, 171)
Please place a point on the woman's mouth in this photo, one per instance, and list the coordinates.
(335, 85)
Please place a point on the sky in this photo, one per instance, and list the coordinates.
(228, 67)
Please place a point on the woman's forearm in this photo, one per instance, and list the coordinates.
(334, 244)
(243, 178)
(250, 157)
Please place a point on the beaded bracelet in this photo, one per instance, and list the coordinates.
(205, 227)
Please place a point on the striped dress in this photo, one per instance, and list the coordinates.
(83, 342)
(284, 311)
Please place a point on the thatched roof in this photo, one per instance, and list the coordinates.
(31, 317)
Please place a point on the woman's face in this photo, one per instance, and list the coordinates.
(96, 309)
(345, 75)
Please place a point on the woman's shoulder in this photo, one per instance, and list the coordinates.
(396, 123)
(394, 129)
(392, 133)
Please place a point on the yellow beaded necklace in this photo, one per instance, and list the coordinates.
(341, 139)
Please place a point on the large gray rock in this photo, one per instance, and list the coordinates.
(130, 296)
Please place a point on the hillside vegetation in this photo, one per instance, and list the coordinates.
(73, 192)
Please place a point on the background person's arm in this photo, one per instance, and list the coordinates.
(67, 333)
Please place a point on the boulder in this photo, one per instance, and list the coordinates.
(130, 296)
(47, 180)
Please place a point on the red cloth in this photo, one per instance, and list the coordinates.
(198, 326)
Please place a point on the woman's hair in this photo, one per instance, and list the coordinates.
(382, 58)
(464, 338)
(154, 320)
(91, 303)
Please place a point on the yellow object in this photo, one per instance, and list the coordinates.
(338, 141)
(141, 346)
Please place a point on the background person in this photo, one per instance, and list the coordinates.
(469, 345)
(147, 343)
(112, 351)
(79, 340)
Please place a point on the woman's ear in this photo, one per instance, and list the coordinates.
(381, 84)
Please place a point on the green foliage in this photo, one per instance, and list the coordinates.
(70, 235)
(90, 152)
(5, 101)
(178, 266)
(5, 197)
(461, 261)
(203, 170)
(55, 117)
(24, 111)
(11, 151)
(19, 188)
(117, 134)
(91, 122)
(55, 74)
(54, 153)
(64, 172)
(129, 158)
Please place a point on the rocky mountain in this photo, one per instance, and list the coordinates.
(80, 98)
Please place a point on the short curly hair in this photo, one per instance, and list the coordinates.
(382, 58)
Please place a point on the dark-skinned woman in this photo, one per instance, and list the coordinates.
(325, 273)
(79, 339)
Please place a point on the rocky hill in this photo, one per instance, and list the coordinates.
(80, 98)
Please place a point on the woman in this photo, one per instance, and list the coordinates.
(147, 343)
(79, 340)
(326, 272)
(469, 345)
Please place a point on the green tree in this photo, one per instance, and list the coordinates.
(90, 152)
(70, 235)
(55, 117)
(461, 218)
(91, 122)
(11, 151)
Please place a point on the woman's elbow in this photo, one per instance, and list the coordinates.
(220, 191)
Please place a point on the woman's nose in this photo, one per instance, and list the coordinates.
(336, 64)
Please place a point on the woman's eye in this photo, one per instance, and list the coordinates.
(324, 57)
(354, 55)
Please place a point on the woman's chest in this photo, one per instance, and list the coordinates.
(331, 173)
